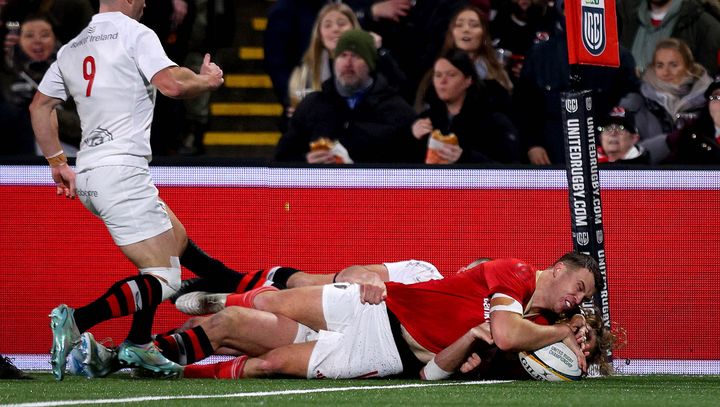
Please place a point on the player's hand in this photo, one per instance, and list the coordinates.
(483, 333)
(538, 156)
(213, 72)
(421, 128)
(572, 343)
(372, 289)
(450, 152)
(64, 178)
(473, 362)
(320, 157)
(391, 9)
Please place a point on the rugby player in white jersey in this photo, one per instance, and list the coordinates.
(112, 70)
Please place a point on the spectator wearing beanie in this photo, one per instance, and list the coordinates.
(362, 118)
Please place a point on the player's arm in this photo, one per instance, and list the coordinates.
(182, 83)
(44, 124)
(458, 356)
(371, 279)
(357, 274)
(511, 332)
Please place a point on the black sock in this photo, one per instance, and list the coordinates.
(220, 277)
(282, 275)
(185, 347)
(125, 297)
(141, 327)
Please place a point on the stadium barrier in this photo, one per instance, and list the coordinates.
(661, 241)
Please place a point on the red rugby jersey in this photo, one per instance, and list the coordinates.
(436, 313)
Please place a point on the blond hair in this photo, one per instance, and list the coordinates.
(686, 54)
(308, 74)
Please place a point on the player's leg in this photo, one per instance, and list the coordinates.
(127, 202)
(249, 331)
(214, 275)
(289, 360)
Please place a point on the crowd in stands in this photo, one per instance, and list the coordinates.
(33, 31)
(413, 81)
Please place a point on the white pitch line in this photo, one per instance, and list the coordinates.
(253, 394)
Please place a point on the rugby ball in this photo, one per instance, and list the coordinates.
(553, 363)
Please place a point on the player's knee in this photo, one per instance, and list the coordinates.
(169, 277)
(229, 317)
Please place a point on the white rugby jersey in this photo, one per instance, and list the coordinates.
(107, 69)
(412, 271)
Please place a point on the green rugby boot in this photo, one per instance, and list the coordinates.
(147, 357)
(65, 337)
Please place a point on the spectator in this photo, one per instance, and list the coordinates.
(287, 37)
(699, 143)
(518, 27)
(458, 104)
(545, 75)
(618, 140)
(671, 95)
(332, 20)
(646, 22)
(355, 107)
(68, 17)
(413, 30)
(32, 56)
(468, 32)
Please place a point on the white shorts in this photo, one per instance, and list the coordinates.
(358, 343)
(126, 200)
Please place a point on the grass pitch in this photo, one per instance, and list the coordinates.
(122, 389)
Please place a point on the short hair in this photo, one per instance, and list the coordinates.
(576, 260)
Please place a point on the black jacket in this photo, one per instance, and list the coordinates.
(485, 135)
(545, 75)
(377, 130)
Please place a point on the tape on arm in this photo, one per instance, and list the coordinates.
(514, 306)
(434, 372)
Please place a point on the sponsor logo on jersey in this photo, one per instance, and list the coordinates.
(87, 192)
(97, 137)
(93, 38)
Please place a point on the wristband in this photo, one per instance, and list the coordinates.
(335, 277)
(434, 372)
(57, 159)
